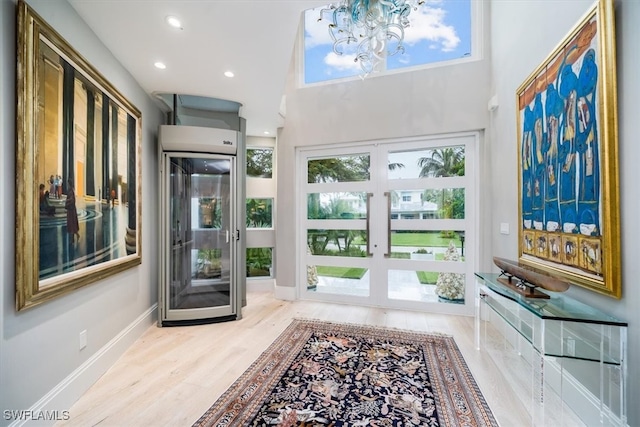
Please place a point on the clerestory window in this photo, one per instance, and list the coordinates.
(440, 32)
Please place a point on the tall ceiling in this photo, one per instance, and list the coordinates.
(252, 38)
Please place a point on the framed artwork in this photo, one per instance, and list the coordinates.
(568, 158)
(78, 212)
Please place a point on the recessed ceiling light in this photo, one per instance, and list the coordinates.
(228, 74)
(173, 21)
(266, 132)
(160, 65)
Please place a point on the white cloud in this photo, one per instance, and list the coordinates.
(427, 23)
(341, 62)
(316, 32)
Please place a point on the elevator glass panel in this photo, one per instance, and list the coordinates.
(201, 224)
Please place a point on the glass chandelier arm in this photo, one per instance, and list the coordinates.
(376, 25)
(339, 42)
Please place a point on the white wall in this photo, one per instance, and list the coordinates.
(429, 102)
(523, 34)
(39, 347)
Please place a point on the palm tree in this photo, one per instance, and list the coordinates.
(395, 165)
(443, 162)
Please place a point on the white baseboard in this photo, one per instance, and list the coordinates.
(69, 390)
(261, 285)
(287, 293)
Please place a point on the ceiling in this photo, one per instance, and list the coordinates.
(252, 38)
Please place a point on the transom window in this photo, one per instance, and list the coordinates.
(440, 31)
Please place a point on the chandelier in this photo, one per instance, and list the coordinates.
(375, 26)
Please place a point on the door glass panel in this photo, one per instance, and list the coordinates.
(347, 243)
(349, 168)
(433, 203)
(432, 245)
(426, 286)
(338, 280)
(200, 212)
(341, 205)
(432, 162)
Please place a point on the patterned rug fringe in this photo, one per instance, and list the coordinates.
(376, 327)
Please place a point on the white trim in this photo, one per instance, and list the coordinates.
(286, 293)
(69, 390)
(260, 285)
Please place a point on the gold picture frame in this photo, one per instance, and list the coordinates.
(568, 157)
(78, 169)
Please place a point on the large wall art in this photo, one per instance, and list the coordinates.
(77, 169)
(568, 158)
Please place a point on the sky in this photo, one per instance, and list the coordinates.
(440, 30)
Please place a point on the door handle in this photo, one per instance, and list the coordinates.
(226, 236)
(387, 194)
(369, 196)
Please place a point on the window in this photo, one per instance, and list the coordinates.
(351, 168)
(260, 162)
(259, 213)
(406, 198)
(259, 262)
(439, 32)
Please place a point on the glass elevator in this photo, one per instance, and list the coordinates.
(202, 225)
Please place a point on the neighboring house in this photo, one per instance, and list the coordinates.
(409, 205)
(404, 205)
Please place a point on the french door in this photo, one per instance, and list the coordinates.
(390, 224)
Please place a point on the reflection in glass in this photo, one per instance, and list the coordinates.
(433, 162)
(259, 213)
(351, 168)
(210, 213)
(337, 205)
(426, 245)
(338, 280)
(260, 162)
(259, 262)
(348, 243)
(208, 263)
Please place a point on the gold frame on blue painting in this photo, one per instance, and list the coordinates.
(78, 189)
(568, 158)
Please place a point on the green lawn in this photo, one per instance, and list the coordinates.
(342, 272)
(427, 277)
(400, 255)
(424, 239)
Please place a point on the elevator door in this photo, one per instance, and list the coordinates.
(200, 237)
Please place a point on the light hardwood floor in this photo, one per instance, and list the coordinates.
(171, 376)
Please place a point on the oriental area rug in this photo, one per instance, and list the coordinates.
(334, 374)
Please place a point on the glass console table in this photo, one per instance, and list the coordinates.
(564, 359)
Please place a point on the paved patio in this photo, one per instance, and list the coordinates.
(404, 285)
